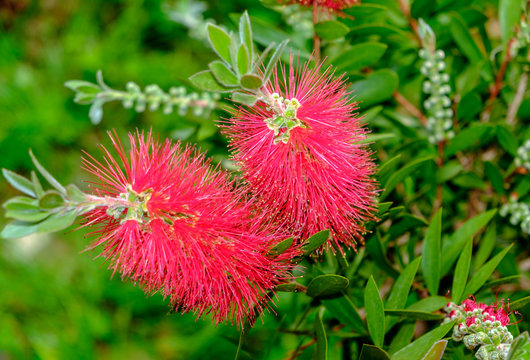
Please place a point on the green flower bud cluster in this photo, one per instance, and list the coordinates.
(284, 119)
(438, 104)
(190, 14)
(519, 213)
(523, 155)
(477, 330)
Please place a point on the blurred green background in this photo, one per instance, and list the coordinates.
(56, 302)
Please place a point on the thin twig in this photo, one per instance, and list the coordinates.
(316, 38)
(407, 105)
(519, 94)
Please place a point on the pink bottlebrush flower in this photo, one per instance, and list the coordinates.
(300, 154)
(333, 5)
(170, 223)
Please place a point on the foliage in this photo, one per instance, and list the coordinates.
(442, 86)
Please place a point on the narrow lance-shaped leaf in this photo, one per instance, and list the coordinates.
(245, 34)
(436, 351)
(245, 99)
(220, 42)
(243, 60)
(223, 74)
(315, 241)
(483, 274)
(375, 315)
(462, 272)
(58, 221)
(370, 352)
(419, 347)
(326, 285)
(19, 182)
(345, 311)
(274, 59)
(322, 342)
(36, 184)
(431, 256)
(53, 182)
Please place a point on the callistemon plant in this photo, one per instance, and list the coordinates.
(301, 154)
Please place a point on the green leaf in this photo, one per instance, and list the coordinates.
(46, 174)
(452, 246)
(220, 42)
(494, 175)
(431, 254)
(331, 30)
(21, 203)
(462, 272)
(419, 347)
(387, 168)
(469, 180)
(17, 229)
(251, 82)
(321, 350)
(245, 99)
(518, 304)
(448, 171)
(468, 138)
(429, 304)
(482, 275)
(315, 241)
(377, 87)
(281, 247)
(345, 311)
(382, 208)
(504, 280)
(326, 285)
(462, 37)
(413, 314)
(367, 13)
(509, 15)
(436, 351)
(223, 74)
(486, 246)
(375, 249)
(74, 194)
(506, 139)
(274, 59)
(287, 287)
(375, 315)
(402, 337)
(95, 113)
(370, 352)
(58, 221)
(400, 291)
(520, 347)
(36, 184)
(360, 56)
(206, 81)
(245, 37)
(28, 216)
(243, 60)
(400, 175)
(19, 182)
(83, 86)
(51, 200)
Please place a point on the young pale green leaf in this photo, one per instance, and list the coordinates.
(509, 15)
(251, 82)
(36, 184)
(95, 113)
(220, 42)
(53, 182)
(413, 314)
(281, 247)
(315, 241)
(326, 285)
(419, 347)
(483, 274)
(17, 229)
(245, 37)
(58, 221)
(382, 208)
(223, 74)
(520, 303)
(243, 60)
(287, 287)
(431, 254)
(520, 348)
(452, 246)
(83, 86)
(375, 315)
(21, 203)
(321, 350)
(206, 81)
(345, 311)
(19, 182)
(462, 37)
(51, 199)
(400, 175)
(245, 99)
(494, 175)
(461, 272)
(360, 56)
(74, 194)
(436, 351)
(370, 352)
(274, 59)
(429, 304)
(400, 291)
(331, 30)
(27, 216)
(403, 337)
(377, 87)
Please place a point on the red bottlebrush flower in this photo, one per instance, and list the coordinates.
(169, 222)
(300, 154)
(334, 5)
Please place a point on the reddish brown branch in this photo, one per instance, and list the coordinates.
(407, 105)
(316, 39)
